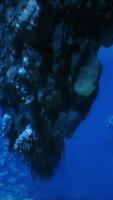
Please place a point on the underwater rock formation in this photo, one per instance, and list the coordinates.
(49, 73)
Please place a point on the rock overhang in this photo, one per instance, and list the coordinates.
(49, 75)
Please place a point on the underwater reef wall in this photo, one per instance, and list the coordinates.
(49, 73)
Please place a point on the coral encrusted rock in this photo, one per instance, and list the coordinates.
(49, 73)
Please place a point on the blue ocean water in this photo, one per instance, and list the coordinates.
(86, 171)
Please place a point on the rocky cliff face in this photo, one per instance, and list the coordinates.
(49, 73)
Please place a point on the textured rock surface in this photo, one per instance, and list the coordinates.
(49, 72)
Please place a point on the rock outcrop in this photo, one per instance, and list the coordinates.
(49, 72)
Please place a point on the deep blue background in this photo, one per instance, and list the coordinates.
(86, 172)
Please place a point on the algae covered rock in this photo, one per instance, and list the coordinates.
(6, 124)
(25, 140)
(65, 124)
(86, 83)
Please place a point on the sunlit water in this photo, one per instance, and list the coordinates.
(86, 172)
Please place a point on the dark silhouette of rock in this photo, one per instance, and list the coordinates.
(49, 73)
